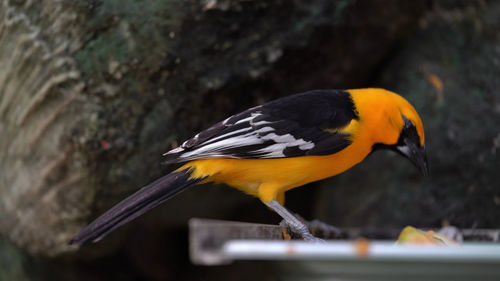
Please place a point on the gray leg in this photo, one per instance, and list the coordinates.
(295, 225)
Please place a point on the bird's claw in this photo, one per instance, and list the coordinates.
(310, 238)
(323, 229)
(301, 231)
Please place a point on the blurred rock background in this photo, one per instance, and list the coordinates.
(93, 92)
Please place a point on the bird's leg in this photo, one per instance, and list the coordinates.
(292, 222)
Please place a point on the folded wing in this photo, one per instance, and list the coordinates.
(298, 125)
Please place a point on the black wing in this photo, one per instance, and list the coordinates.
(288, 127)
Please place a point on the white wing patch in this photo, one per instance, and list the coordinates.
(227, 135)
(217, 147)
(307, 145)
(264, 130)
(233, 143)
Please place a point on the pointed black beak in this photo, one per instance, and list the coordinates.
(416, 154)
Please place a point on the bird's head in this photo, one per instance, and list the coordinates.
(411, 145)
(394, 124)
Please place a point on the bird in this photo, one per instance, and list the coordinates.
(280, 145)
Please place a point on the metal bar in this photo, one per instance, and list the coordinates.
(218, 242)
(351, 250)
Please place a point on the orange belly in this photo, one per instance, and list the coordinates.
(267, 178)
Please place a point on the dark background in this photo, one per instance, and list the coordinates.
(93, 92)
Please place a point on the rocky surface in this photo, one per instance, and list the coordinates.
(93, 92)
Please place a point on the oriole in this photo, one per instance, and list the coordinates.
(269, 149)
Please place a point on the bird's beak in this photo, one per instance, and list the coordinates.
(416, 154)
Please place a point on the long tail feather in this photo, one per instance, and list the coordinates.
(135, 205)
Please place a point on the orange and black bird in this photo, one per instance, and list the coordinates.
(283, 144)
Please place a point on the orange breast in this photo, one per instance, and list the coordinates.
(279, 175)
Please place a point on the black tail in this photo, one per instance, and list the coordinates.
(135, 205)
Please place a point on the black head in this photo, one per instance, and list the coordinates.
(409, 146)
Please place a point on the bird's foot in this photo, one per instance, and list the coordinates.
(294, 223)
(312, 239)
(319, 228)
(311, 230)
(300, 230)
